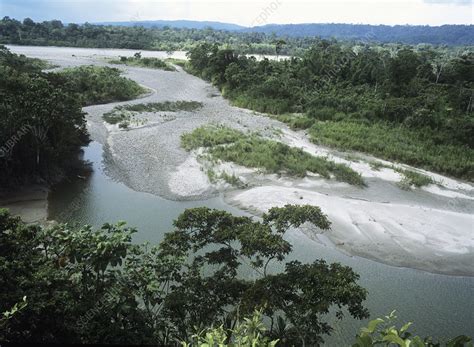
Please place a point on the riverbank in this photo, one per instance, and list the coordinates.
(30, 203)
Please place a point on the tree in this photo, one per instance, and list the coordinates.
(439, 64)
(402, 69)
(95, 286)
(278, 46)
(41, 120)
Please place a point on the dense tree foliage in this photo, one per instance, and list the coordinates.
(54, 33)
(100, 85)
(42, 123)
(96, 286)
(416, 105)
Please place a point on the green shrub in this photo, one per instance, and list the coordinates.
(112, 117)
(100, 84)
(412, 178)
(124, 124)
(324, 113)
(170, 106)
(296, 122)
(209, 136)
(232, 180)
(250, 332)
(384, 333)
(153, 63)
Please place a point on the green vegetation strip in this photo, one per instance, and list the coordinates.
(123, 113)
(153, 63)
(251, 150)
(396, 143)
(410, 178)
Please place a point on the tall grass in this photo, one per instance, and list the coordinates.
(123, 112)
(170, 106)
(396, 143)
(253, 151)
(412, 178)
(210, 136)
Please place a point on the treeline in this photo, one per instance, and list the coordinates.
(54, 33)
(408, 34)
(259, 40)
(42, 126)
(405, 104)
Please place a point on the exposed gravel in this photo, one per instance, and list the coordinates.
(146, 158)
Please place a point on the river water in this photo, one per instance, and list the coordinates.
(439, 305)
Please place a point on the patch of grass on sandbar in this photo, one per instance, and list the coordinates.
(166, 106)
(122, 112)
(412, 178)
(396, 143)
(152, 63)
(251, 150)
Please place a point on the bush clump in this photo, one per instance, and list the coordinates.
(126, 112)
(100, 84)
(153, 63)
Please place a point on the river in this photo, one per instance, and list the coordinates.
(130, 182)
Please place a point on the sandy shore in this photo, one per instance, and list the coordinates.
(30, 203)
(429, 228)
(396, 234)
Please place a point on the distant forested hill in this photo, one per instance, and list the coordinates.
(270, 39)
(409, 34)
(186, 24)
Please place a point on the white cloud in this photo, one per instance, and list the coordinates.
(245, 12)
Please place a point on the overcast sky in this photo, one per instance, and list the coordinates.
(247, 12)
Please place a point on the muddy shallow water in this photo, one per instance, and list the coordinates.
(137, 175)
